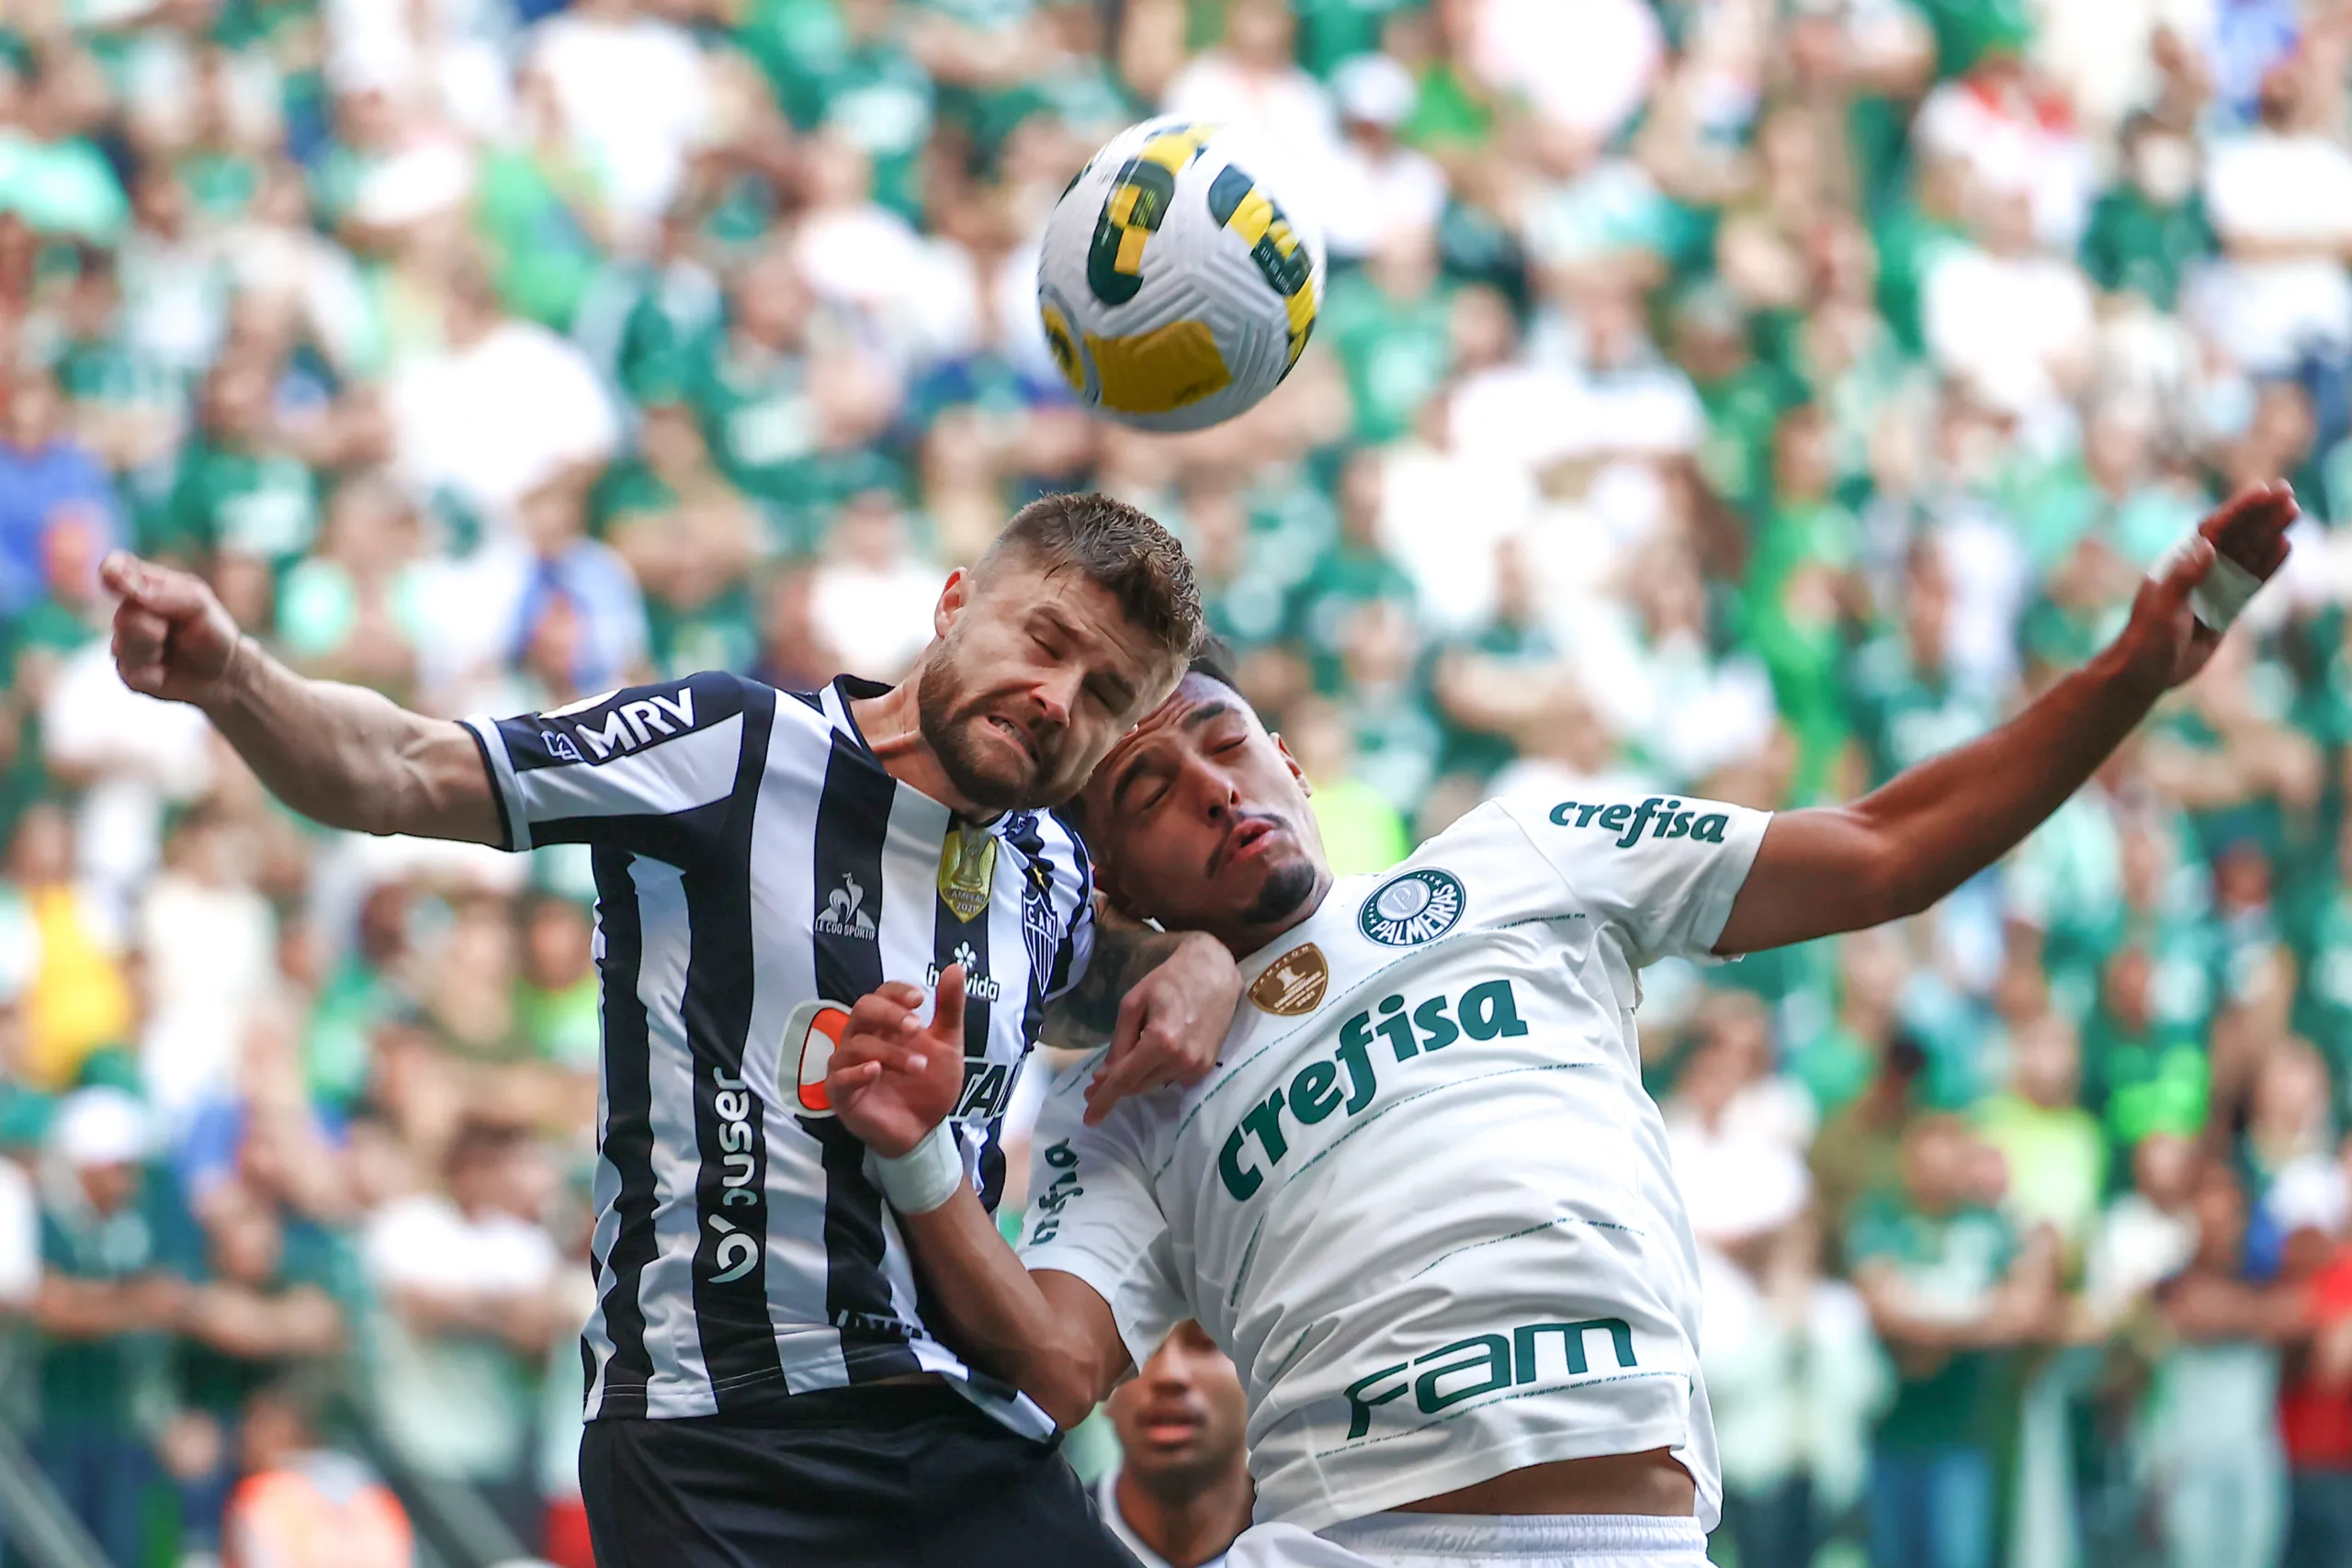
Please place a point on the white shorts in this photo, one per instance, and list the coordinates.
(1491, 1540)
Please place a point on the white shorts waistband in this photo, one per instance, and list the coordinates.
(1529, 1538)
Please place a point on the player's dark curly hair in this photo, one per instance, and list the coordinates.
(1121, 550)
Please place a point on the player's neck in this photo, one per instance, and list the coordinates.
(1184, 1526)
(891, 726)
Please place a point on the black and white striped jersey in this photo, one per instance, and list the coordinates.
(757, 870)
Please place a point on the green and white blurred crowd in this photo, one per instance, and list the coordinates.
(1737, 398)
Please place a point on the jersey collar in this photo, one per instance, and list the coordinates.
(843, 691)
(836, 699)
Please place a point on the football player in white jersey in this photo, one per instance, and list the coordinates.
(1423, 1201)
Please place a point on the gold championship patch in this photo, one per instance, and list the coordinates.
(967, 870)
(1292, 984)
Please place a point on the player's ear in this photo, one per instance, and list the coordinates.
(952, 600)
(1295, 771)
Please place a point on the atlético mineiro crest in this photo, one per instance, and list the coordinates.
(1414, 907)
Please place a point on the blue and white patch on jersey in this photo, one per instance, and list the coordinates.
(1419, 906)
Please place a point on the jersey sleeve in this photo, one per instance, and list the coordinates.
(1073, 878)
(1662, 869)
(652, 769)
(1092, 1213)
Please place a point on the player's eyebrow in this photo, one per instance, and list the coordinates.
(1053, 617)
(1205, 711)
(1128, 776)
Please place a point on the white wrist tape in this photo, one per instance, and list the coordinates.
(924, 1177)
(2227, 589)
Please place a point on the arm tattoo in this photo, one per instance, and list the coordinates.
(1086, 1014)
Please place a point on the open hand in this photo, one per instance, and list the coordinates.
(2166, 643)
(892, 1077)
(172, 638)
(1171, 1024)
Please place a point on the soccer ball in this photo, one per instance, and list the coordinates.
(1176, 287)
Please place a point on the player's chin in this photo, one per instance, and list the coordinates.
(1272, 886)
(1000, 774)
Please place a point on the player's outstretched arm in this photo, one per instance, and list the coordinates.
(893, 1081)
(1902, 847)
(341, 755)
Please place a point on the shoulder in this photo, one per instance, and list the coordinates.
(1047, 838)
(1607, 816)
(1128, 1134)
(1057, 878)
(633, 719)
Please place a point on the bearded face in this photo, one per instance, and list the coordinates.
(1001, 752)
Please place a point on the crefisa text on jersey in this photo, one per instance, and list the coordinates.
(1663, 818)
(1486, 1012)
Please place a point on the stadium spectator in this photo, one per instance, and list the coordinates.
(1954, 1289)
(261, 1312)
(48, 481)
(108, 1294)
(303, 1506)
(2214, 1438)
(466, 1279)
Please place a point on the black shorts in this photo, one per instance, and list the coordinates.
(895, 1476)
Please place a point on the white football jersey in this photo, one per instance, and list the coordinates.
(1423, 1201)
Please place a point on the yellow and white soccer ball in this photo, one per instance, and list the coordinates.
(1176, 286)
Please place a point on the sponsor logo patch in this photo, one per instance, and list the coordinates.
(1491, 1364)
(977, 985)
(1660, 818)
(809, 1036)
(1293, 985)
(844, 911)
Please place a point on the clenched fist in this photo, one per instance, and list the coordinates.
(172, 638)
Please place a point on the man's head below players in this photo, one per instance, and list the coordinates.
(1179, 1420)
(1198, 819)
(1076, 623)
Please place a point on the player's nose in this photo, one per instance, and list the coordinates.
(1218, 798)
(1055, 695)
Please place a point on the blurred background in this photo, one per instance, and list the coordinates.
(1742, 398)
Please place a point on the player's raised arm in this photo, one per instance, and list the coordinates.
(1902, 847)
(893, 1081)
(338, 754)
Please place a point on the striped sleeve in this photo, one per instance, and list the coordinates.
(1075, 881)
(650, 770)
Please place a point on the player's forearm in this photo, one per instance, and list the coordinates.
(349, 757)
(1945, 820)
(998, 1318)
(1087, 1015)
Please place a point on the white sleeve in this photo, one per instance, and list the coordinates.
(1092, 1213)
(1662, 869)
